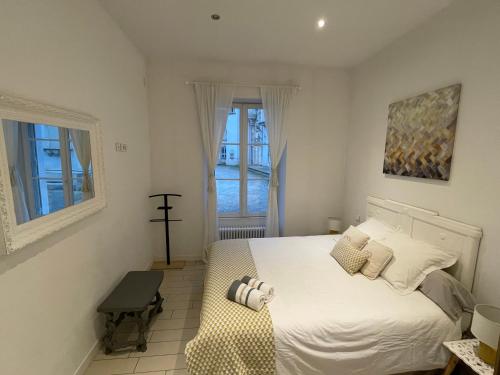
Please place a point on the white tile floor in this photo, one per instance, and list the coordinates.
(168, 333)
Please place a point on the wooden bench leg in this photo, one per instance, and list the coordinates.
(141, 327)
(110, 331)
(157, 309)
(452, 363)
(159, 301)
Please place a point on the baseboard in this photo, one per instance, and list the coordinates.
(148, 267)
(163, 266)
(188, 258)
(87, 359)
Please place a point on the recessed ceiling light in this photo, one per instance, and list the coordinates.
(321, 23)
(215, 17)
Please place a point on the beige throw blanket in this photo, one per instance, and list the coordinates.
(232, 339)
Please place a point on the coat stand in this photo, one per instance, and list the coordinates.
(161, 265)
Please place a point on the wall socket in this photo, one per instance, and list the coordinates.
(120, 147)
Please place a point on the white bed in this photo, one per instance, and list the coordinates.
(322, 320)
(326, 321)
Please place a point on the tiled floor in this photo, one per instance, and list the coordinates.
(168, 334)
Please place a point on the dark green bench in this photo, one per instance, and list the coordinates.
(137, 291)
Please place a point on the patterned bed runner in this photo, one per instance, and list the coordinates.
(232, 339)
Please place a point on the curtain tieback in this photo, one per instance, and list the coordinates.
(274, 177)
(86, 188)
(12, 173)
(211, 182)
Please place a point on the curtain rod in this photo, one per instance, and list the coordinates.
(243, 84)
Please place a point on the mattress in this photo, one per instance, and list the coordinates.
(326, 321)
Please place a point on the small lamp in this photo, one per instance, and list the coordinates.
(334, 225)
(486, 327)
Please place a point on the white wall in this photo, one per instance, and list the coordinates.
(316, 144)
(70, 53)
(461, 44)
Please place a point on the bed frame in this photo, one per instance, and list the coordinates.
(428, 226)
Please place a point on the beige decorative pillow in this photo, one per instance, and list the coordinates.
(380, 256)
(350, 258)
(357, 238)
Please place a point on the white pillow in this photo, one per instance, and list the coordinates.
(412, 261)
(376, 229)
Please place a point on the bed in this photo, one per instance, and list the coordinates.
(322, 320)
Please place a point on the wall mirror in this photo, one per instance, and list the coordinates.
(51, 169)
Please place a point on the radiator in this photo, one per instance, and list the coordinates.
(234, 232)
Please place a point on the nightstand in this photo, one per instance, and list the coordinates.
(466, 351)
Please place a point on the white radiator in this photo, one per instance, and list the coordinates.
(234, 232)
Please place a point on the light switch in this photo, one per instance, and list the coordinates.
(120, 147)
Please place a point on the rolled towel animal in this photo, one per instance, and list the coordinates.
(267, 289)
(241, 293)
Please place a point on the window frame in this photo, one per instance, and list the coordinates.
(243, 179)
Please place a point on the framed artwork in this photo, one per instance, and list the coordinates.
(421, 134)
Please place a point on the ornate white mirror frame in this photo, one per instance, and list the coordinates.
(19, 109)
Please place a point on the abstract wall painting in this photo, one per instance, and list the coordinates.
(421, 134)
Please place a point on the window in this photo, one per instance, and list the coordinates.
(244, 164)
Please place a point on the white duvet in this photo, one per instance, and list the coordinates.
(328, 322)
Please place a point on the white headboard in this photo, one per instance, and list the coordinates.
(428, 226)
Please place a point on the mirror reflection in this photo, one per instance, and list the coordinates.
(50, 167)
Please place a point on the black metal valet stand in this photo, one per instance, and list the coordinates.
(166, 220)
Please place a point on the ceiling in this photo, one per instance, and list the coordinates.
(272, 31)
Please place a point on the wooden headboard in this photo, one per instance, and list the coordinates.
(428, 226)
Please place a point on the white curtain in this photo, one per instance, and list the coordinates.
(275, 101)
(11, 135)
(81, 143)
(213, 101)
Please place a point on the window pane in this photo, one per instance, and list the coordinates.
(228, 165)
(257, 130)
(47, 156)
(77, 188)
(46, 131)
(51, 195)
(75, 163)
(228, 196)
(259, 163)
(47, 168)
(257, 196)
(232, 133)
